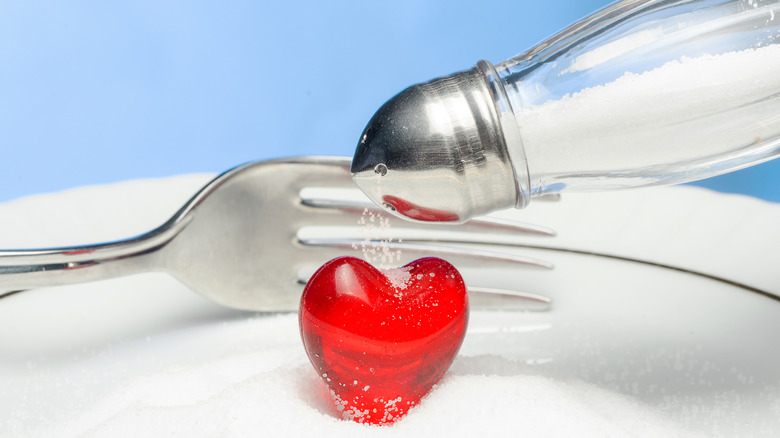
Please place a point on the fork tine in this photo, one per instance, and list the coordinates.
(351, 201)
(463, 256)
(488, 298)
(501, 299)
(458, 253)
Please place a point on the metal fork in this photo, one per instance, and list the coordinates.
(250, 238)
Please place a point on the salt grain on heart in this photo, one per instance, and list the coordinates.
(399, 277)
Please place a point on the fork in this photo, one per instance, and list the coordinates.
(250, 238)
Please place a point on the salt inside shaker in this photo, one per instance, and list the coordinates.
(639, 93)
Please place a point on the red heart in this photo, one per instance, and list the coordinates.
(378, 346)
(416, 212)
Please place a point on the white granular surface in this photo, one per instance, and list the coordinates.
(263, 385)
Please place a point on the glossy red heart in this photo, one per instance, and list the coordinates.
(380, 340)
(416, 212)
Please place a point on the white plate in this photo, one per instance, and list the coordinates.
(629, 349)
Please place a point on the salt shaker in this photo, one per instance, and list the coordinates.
(642, 92)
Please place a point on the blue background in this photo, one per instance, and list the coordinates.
(93, 92)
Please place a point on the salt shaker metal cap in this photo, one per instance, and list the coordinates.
(437, 151)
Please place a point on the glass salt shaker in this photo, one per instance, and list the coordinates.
(642, 92)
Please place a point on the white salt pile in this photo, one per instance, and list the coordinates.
(251, 377)
(636, 367)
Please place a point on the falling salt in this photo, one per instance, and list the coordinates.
(377, 246)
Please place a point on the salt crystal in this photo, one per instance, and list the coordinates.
(399, 277)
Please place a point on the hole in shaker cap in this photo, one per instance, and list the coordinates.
(380, 169)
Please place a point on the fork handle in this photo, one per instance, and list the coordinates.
(27, 269)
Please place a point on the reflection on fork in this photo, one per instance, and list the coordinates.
(251, 237)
